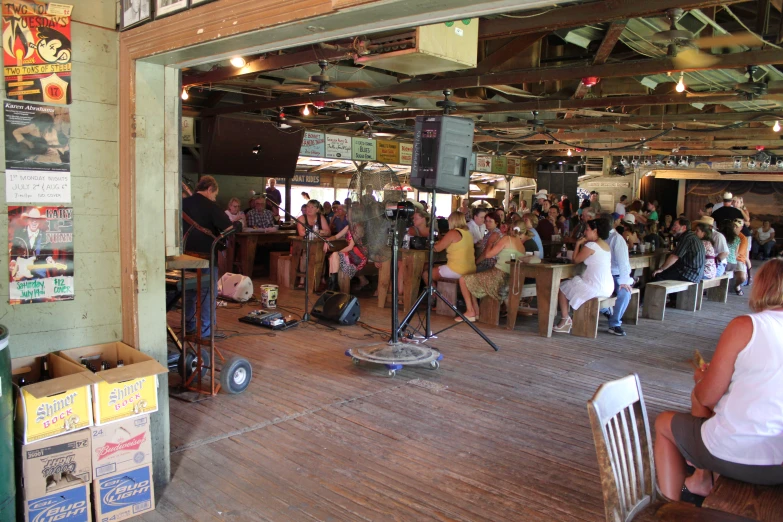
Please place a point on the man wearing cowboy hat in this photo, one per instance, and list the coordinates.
(727, 210)
(540, 197)
(719, 243)
(29, 240)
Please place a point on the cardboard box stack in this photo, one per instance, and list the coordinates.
(60, 459)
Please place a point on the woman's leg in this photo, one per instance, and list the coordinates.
(669, 463)
(334, 263)
(470, 312)
(563, 300)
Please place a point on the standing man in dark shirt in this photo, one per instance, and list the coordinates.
(727, 211)
(273, 195)
(686, 263)
(201, 208)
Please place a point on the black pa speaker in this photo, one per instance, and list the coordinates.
(337, 307)
(442, 151)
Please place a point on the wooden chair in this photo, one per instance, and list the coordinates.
(623, 445)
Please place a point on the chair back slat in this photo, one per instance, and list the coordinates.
(623, 444)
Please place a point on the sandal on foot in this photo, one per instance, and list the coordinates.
(691, 498)
(566, 328)
(472, 319)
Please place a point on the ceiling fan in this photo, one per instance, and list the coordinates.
(752, 88)
(323, 84)
(685, 49)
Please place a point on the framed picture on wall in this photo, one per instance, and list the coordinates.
(135, 12)
(167, 7)
(195, 3)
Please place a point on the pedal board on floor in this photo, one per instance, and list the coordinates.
(267, 319)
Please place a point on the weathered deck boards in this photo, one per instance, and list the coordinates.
(488, 436)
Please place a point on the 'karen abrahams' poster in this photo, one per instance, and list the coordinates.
(37, 52)
(40, 249)
(37, 153)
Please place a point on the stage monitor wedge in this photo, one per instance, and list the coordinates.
(442, 150)
(337, 307)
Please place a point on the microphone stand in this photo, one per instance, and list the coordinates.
(311, 233)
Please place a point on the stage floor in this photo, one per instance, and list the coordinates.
(488, 436)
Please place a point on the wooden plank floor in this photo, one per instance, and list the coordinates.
(488, 436)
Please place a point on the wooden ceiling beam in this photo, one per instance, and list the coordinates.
(587, 14)
(508, 52)
(263, 64)
(638, 135)
(614, 70)
(611, 38)
(662, 121)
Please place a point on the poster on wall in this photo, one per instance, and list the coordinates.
(167, 7)
(483, 163)
(40, 254)
(37, 153)
(388, 152)
(406, 153)
(313, 145)
(135, 12)
(338, 146)
(36, 53)
(188, 132)
(363, 149)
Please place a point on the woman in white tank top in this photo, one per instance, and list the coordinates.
(735, 427)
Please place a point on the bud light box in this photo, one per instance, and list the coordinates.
(67, 505)
(121, 446)
(129, 385)
(124, 495)
(48, 407)
(56, 464)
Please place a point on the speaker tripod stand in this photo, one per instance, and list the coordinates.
(431, 292)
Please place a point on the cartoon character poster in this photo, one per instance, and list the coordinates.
(40, 248)
(37, 52)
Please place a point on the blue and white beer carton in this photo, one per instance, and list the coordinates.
(124, 495)
(65, 505)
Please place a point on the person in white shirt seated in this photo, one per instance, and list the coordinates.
(735, 427)
(476, 225)
(623, 282)
(233, 212)
(764, 242)
(619, 208)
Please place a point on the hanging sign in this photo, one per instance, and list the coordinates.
(36, 53)
(512, 167)
(37, 153)
(312, 180)
(406, 153)
(338, 146)
(483, 163)
(388, 152)
(313, 145)
(188, 132)
(499, 164)
(363, 149)
(40, 254)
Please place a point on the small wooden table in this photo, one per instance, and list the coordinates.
(246, 243)
(316, 263)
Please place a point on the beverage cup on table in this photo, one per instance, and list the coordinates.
(570, 255)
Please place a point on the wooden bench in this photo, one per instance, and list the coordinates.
(345, 281)
(586, 318)
(658, 292)
(717, 289)
(448, 288)
(489, 308)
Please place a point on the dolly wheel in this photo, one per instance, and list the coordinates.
(235, 375)
(190, 363)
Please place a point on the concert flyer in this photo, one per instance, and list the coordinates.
(40, 249)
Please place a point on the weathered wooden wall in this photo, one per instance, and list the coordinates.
(95, 315)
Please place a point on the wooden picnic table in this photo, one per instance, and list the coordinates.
(548, 277)
(317, 256)
(245, 244)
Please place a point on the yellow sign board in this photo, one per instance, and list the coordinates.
(116, 401)
(388, 151)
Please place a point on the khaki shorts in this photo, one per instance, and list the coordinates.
(686, 430)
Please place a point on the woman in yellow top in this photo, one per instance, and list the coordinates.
(458, 244)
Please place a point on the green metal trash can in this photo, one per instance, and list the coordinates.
(7, 473)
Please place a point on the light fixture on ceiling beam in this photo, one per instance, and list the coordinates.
(306, 110)
(680, 84)
(569, 152)
(238, 62)
(590, 81)
(776, 127)
(184, 94)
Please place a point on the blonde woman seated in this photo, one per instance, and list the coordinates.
(493, 281)
(596, 280)
(234, 214)
(458, 244)
(735, 426)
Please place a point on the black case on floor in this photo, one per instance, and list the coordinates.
(337, 307)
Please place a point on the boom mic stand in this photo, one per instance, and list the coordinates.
(431, 291)
(310, 234)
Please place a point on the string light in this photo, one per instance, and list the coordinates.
(569, 152)
(680, 84)
(306, 110)
(776, 127)
(184, 94)
(238, 61)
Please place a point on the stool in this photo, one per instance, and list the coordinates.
(273, 262)
(586, 317)
(717, 289)
(448, 288)
(283, 271)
